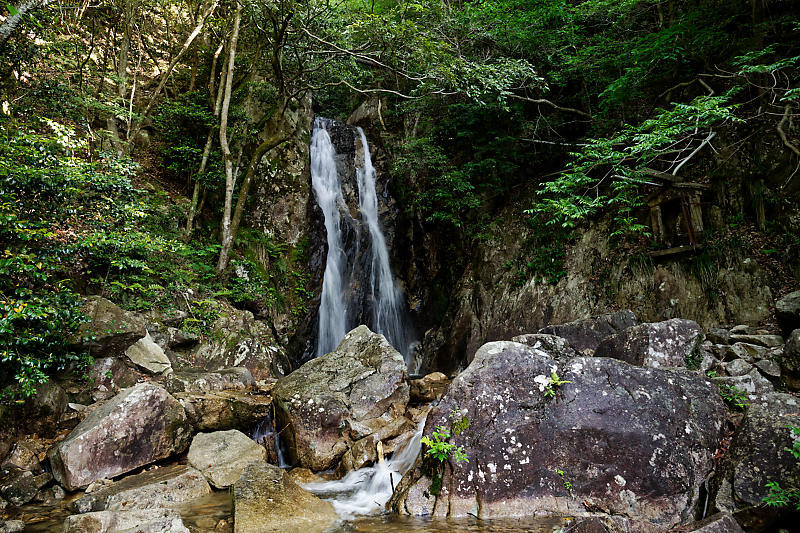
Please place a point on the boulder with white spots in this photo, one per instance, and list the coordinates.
(610, 438)
(333, 401)
(660, 344)
(584, 335)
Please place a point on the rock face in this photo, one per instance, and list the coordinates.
(111, 330)
(662, 344)
(267, 500)
(160, 488)
(20, 487)
(588, 333)
(149, 356)
(221, 456)
(787, 311)
(227, 409)
(236, 378)
(138, 426)
(758, 456)
(790, 360)
(134, 521)
(628, 441)
(334, 400)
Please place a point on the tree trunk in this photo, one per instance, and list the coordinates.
(227, 238)
(8, 25)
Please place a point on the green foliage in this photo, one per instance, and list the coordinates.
(733, 396)
(786, 497)
(567, 483)
(553, 385)
(438, 446)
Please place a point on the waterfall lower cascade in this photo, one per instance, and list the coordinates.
(366, 491)
(380, 296)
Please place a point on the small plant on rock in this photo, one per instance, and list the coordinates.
(779, 496)
(550, 385)
(733, 396)
(438, 446)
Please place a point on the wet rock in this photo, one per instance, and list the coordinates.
(630, 441)
(334, 400)
(789, 360)
(661, 344)
(550, 343)
(758, 455)
(159, 488)
(229, 409)
(20, 487)
(133, 521)
(787, 311)
(267, 500)
(236, 378)
(149, 356)
(613, 524)
(586, 334)
(718, 523)
(111, 330)
(138, 426)
(12, 526)
(222, 456)
(428, 388)
(364, 451)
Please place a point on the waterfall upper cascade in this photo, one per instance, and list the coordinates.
(358, 285)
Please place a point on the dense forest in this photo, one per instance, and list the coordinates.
(540, 161)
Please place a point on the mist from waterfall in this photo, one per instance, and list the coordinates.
(328, 192)
(378, 301)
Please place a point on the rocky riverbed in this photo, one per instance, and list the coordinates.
(604, 424)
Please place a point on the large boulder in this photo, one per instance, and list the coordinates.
(236, 378)
(110, 329)
(787, 311)
(267, 500)
(159, 488)
(138, 426)
(661, 344)
(133, 521)
(759, 455)
(227, 409)
(611, 438)
(222, 456)
(338, 398)
(586, 334)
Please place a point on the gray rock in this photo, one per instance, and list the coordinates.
(789, 360)
(743, 329)
(768, 341)
(737, 367)
(149, 356)
(20, 487)
(12, 526)
(787, 311)
(108, 376)
(586, 334)
(758, 455)
(222, 456)
(111, 330)
(749, 352)
(164, 488)
(635, 442)
(170, 338)
(551, 343)
(133, 521)
(236, 378)
(613, 524)
(267, 500)
(656, 345)
(753, 385)
(138, 426)
(769, 368)
(24, 455)
(719, 336)
(334, 400)
(718, 523)
(230, 409)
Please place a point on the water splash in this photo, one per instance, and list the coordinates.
(366, 491)
(328, 192)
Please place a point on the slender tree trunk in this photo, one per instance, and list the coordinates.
(227, 238)
(9, 24)
(209, 140)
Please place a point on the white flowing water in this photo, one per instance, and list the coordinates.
(328, 192)
(387, 299)
(366, 491)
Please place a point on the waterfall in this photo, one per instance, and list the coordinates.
(328, 192)
(388, 311)
(358, 285)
